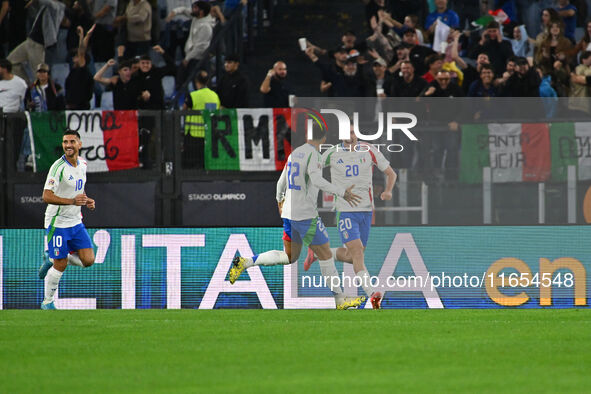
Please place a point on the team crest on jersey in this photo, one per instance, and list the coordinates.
(346, 234)
(56, 251)
(51, 182)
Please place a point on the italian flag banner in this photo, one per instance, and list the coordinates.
(528, 152)
(247, 139)
(110, 139)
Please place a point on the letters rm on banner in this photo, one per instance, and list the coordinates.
(247, 139)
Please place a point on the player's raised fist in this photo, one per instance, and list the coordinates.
(385, 196)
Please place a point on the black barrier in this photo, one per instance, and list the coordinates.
(212, 204)
(157, 192)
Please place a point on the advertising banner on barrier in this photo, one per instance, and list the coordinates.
(28, 207)
(110, 139)
(229, 204)
(416, 267)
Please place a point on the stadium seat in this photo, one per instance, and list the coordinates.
(59, 73)
(168, 86)
(579, 33)
(107, 101)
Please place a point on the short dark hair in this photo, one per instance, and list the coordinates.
(433, 58)
(123, 64)
(486, 66)
(203, 6)
(72, 132)
(493, 25)
(318, 132)
(585, 55)
(6, 64)
(202, 77)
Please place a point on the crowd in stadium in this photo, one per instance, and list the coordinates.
(433, 48)
(436, 49)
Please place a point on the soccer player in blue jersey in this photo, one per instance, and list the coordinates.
(68, 241)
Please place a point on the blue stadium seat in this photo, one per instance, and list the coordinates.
(107, 101)
(59, 73)
(168, 86)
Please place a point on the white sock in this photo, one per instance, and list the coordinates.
(366, 282)
(74, 259)
(272, 257)
(52, 279)
(334, 253)
(328, 270)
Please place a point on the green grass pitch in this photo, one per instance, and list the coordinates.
(254, 351)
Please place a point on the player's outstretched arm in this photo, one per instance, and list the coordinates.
(50, 198)
(390, 181)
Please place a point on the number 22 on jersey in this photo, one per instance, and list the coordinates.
(293, 170)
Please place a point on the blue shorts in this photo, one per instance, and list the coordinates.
(354, 225)
(310, 232)
(61, 241)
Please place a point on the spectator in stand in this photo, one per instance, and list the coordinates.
(44, 94)
(232, 87)
(547, 92)
(568, 13)
(199, 99)
(579, 93)
(484, 87)
(349, 42)
(12, 88)
(442, 13)
(12, 94)
(434, 63)
(381, 42)
(43, 34)
(555, 47)
(126, 93)
(379, 80)
(470, 73)
(103, 42)
(522, 45)
(78, 14)
(137, 20)
(351, 83)
(410, 21)
(585, 43)
(549, 15)
(200, 35)
(79, 83)
(418, 53)
(275, 89)
(407, 84)
(492, 43)
(402, 52)
(176, 30)
(443, 86)
(509, 71)
(372, 8)
(149, 80)
(524, 82)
